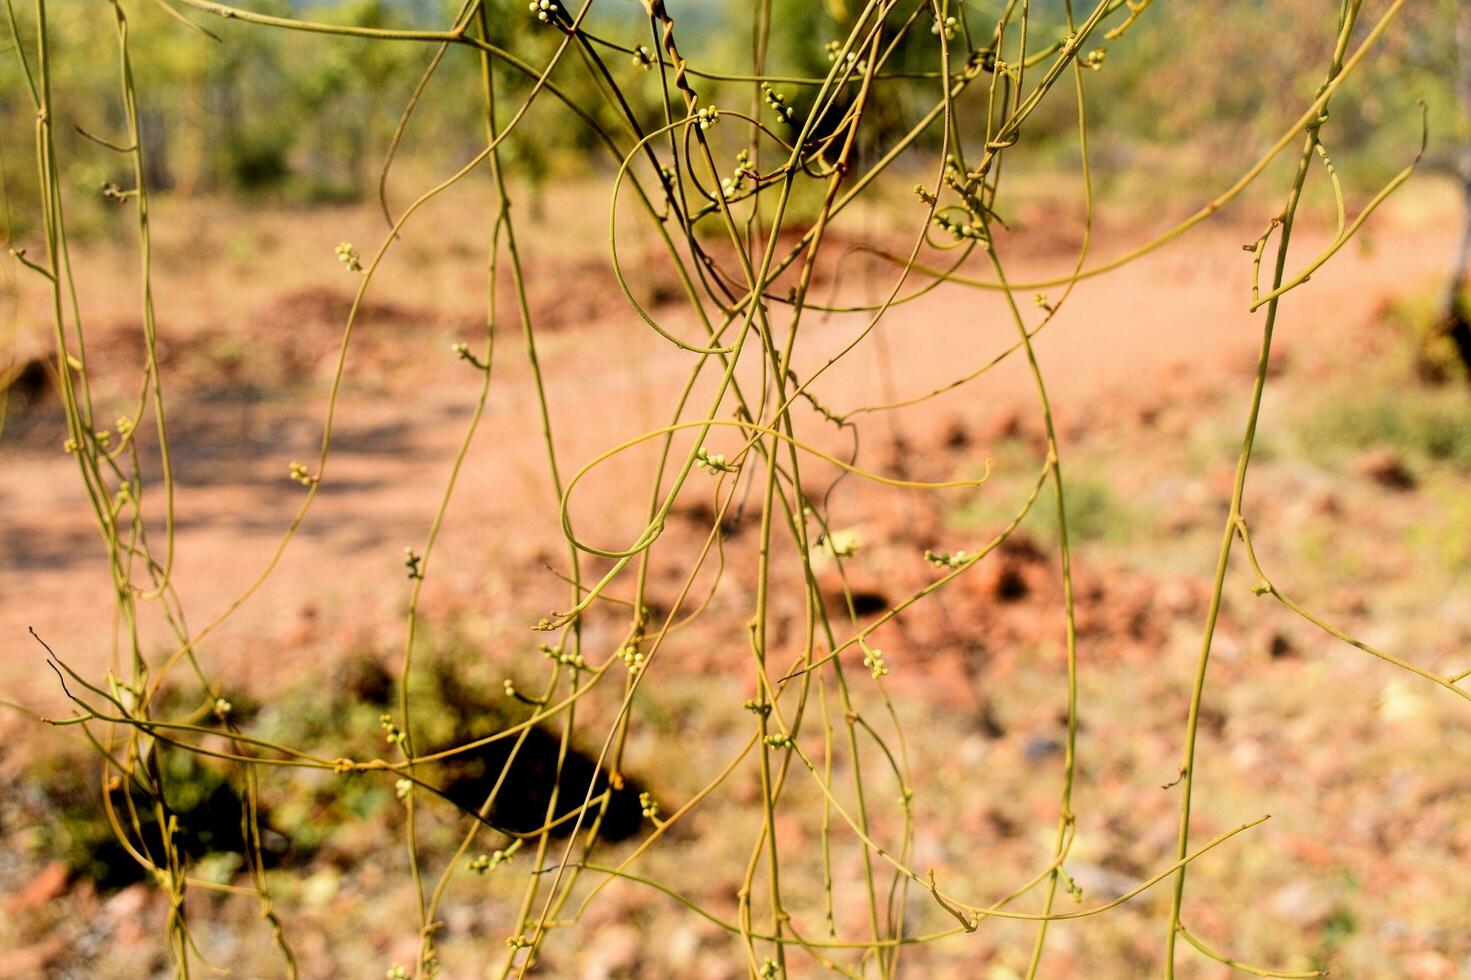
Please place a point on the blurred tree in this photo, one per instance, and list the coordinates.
(1458, 316)
(309, 116)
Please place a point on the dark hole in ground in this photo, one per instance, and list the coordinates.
(521, 805)
(203, 796)
(701, 514)
(30, 385)
(1011, 585)
(30, 410)
(867, 602)
(205, 805)
(1458, 327)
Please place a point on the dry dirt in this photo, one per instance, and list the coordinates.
(1140, 363)
(247, 349)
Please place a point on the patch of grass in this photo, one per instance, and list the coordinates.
(1434, 425)
(1446, 535)
(1095, 512)
(452, 706)
(75, 827)
(1339, 928)
(1327, 548)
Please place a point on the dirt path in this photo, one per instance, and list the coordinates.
(1177, 314)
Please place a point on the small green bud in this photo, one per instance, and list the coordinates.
(873, 659)
(349, 257)
(632, 657)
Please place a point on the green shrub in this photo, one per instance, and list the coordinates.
(1434, 425)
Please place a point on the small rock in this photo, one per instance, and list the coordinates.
(124, 913)
(305, 628)
(1429, 965)
(1225, 645)
(1399, 702)
(32, 961)
(1323, 502)
(1177, 597)
(1180, 519)
(1301, 903)
(1039, 747)
(1350, 601)
(48, 883)
(1246, 755)
(1100, 883)
(321, 888)
(718, 967)
(682, 948)
(613, 950)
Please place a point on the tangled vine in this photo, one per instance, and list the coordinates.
(715, 186)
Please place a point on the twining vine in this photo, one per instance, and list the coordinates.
(715, 186)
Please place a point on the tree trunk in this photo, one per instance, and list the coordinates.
(1458, 316)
